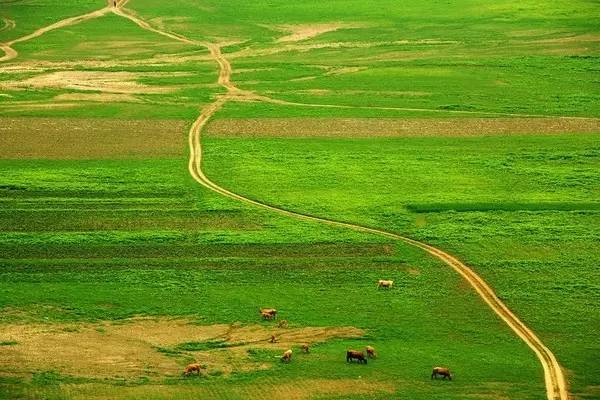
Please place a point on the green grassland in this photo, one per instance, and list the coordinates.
(517, 208)
(93, 240)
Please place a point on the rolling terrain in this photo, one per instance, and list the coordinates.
(101, 221)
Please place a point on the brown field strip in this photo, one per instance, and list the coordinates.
(73, 138)
(148, 347)
(391, 127)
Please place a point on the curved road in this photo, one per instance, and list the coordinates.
(556, 386)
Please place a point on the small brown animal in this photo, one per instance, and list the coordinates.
(287, 356)
(359, 356)
(371, 352)
(382, 283)
(192, 368)
(268, 313)
(266, 316)
(305, 348)
(443, 372)
(273, 339)
(283, 323)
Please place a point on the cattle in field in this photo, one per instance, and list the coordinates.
(384, 284)
(440, 371)
(268, 313)
(359, 356)
(305, 348)
(273, 339)
(371, 352)
(287, 356)
(192, 368)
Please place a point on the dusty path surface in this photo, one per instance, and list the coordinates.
(556, 386)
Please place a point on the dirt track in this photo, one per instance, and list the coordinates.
(556, 386)
(555, 382)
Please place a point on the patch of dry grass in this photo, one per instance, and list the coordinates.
(391, 127)
(146, 347)
(72, 138)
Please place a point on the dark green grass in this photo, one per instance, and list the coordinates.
(32, 15)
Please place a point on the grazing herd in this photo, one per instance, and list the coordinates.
(360, 357)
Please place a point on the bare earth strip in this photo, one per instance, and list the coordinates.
(554, 378)
(397, 127)
(78, 138)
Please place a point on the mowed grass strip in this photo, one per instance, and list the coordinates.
(73, 138)
(389, 127)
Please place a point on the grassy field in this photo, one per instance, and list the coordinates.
(421, 118)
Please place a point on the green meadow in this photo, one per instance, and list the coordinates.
(112, 265)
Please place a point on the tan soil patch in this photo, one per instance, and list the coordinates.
(371, 127)
(174, 23)
(98, 97)
(112, 82)
(122, 47)
(73, 138)
(130, 348)
(303, 32)
(157, 61)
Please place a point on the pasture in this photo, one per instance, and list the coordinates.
(469, 126)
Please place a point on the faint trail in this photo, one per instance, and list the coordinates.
(144, 25)
(8, 24)
(10, 53)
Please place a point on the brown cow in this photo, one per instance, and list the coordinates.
(191, 368)
(287, 356)
(273, 339)
(268, 313)
(382, 283)
(371, 352)
(305, 348)
(444, 372)
(359, 356)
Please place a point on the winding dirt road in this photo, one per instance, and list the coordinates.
(556, 386)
